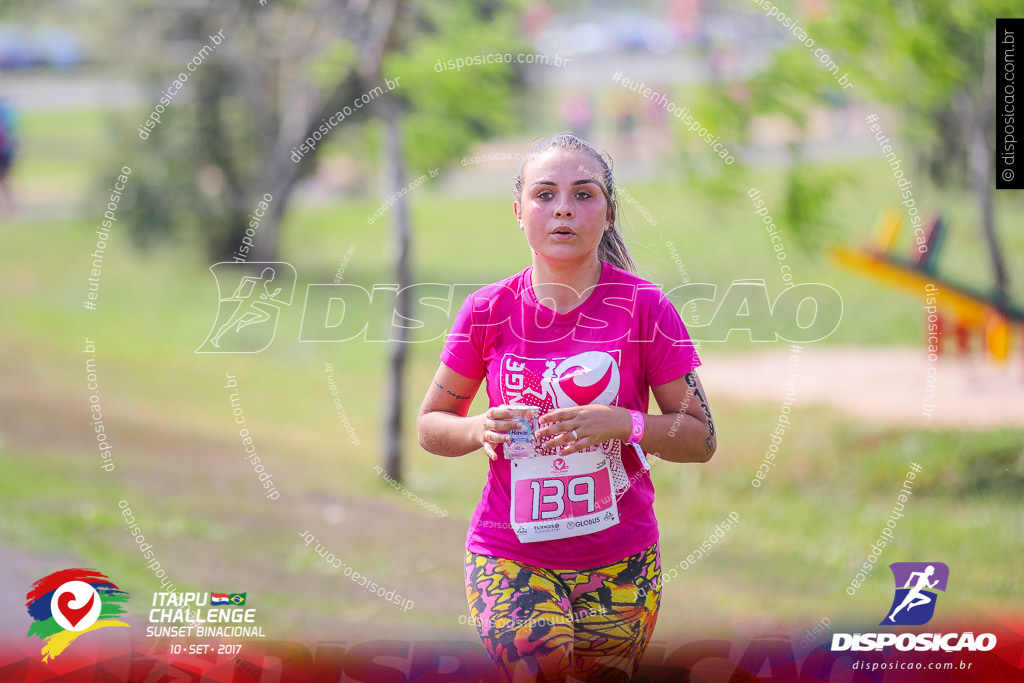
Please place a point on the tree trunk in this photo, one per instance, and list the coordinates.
(279, 181)
(981, 164)
(279, 187)
(394, 163)
(982, 174)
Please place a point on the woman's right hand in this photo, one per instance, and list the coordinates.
(497, 422)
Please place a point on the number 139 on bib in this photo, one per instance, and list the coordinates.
(558, 498)
(561, 497)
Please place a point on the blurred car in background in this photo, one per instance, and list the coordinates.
(570, 34)
(29, 47)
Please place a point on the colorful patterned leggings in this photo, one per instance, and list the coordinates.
(545, 624)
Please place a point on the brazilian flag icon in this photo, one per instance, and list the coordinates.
(237, 598)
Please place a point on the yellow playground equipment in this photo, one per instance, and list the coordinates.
(973, 313)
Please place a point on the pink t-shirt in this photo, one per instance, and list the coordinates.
(628, 333)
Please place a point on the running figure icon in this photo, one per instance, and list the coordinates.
(250, 300)
(915, 596)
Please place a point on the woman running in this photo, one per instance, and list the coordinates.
(563, 570)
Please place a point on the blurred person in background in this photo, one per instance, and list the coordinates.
(625, 126)
(8, 149)
(577, 112)
(536, 18)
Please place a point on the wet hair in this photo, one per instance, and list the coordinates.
(613, 247)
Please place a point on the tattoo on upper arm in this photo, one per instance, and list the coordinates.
(450, 393)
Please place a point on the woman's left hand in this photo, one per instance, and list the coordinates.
(576, 429)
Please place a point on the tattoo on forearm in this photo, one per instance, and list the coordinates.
(707, 411)
(684, 404)
(450, 393)
(691, 381)
(709, 442)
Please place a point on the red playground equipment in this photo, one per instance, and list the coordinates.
(972, 312)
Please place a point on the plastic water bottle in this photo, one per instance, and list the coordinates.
(524, 441)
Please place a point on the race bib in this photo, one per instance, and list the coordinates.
(562, 497)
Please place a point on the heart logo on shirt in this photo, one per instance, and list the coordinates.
(589, 377)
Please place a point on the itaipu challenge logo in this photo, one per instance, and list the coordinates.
(915, 598)
(70, 603)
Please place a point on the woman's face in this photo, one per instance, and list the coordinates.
(562, 209)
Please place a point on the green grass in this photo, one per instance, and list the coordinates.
(60, 149)
(180, 464)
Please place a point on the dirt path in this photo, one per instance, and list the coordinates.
(889, 385)
(885, 385)
(37, 414)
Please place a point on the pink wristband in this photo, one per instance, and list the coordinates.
(637, 432)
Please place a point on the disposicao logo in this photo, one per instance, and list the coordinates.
(914, 605)
(69, 603)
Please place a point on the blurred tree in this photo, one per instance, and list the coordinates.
(253, 117)
(444, 112)
(931, 59)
